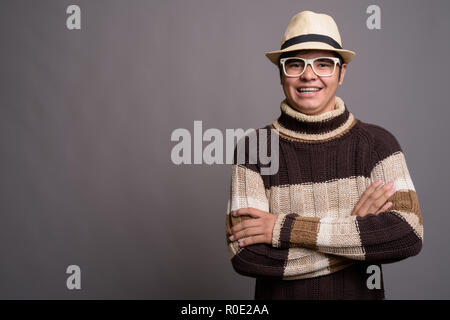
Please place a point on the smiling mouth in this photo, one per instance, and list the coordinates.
(308, 92)
(302, 90)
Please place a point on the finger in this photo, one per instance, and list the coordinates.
(246, 233)
(384, 208)
(383, 190)
(367, 193)
(252, 240)
(253, 212)
(382, 199)
(371, 204)
(244, 225)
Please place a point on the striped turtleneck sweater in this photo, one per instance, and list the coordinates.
(319, 250)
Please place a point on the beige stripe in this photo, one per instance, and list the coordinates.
(335, 198)
(301, 262)
(277, 229)
(340, 236)
(405, 200)
(247, 189)
(394, 167)
(305, 263)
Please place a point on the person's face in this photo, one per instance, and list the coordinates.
(318, 102)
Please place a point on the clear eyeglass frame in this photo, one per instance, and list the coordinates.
(310, 62)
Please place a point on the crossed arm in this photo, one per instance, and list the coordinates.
(284, 245)
(260, 229)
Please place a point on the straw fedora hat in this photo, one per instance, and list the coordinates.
(310, 30)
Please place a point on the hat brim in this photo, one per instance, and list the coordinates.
(273, 56)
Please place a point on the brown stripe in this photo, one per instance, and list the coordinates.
(260, 259)
(318, 127)
(304, 231)
(406, 201)
(321, 162)
(284, 136)
(387, 238)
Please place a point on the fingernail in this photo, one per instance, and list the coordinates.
(231, 238)
(390, 184)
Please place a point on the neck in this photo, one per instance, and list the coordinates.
(330, 106)
(295, 125)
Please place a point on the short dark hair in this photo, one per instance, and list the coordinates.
(293, 53)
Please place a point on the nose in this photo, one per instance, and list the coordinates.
(308, 74)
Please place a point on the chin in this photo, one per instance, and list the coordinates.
(309, 105)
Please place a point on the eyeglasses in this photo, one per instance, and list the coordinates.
(322, 66)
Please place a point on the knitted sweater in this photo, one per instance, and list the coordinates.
(326, 162)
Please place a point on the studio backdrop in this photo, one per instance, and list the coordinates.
(92, 92)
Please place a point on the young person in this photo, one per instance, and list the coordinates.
(342, 202)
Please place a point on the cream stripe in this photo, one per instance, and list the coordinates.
(394, 167)
(303, 261)
(354, 253)
(344, 229)
(337, 197)
(340, 236)
(247, 189)
(324, 235)
(277, 230)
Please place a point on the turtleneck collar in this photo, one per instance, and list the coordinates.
(298, 126)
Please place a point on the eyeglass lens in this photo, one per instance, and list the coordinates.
(322, 67)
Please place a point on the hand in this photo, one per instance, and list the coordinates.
(258, 229)
(373, 200)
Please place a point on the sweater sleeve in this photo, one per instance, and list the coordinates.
(263, 260)
(388, 237)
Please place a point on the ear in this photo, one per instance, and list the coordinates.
(343, 70)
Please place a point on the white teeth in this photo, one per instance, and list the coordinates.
(308, 89)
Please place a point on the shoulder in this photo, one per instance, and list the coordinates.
(382, 142)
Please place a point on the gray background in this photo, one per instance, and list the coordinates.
(86, 117)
